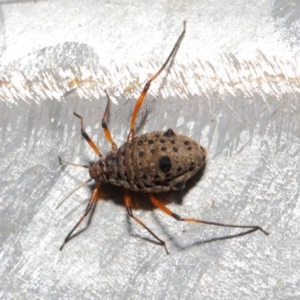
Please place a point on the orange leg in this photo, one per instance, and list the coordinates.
(127, 200)
(104, 125)
(86, 137)
(89, 208)
(178, 218)
(147, 85)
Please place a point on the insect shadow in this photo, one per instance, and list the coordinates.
(140, 202)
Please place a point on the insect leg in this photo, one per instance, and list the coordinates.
(104, 125)
(251, 228)
(86, 137)
(127, 200)
(147, 85)
(89, 208)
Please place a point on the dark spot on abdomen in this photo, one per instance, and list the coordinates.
(165, 164)
(179, 185)
(179, 169)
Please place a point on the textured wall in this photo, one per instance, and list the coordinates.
(234, 88)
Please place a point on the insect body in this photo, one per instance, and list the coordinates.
(151, 163)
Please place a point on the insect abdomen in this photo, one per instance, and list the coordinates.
(159, 161)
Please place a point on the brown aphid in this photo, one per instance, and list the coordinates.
(151, 163)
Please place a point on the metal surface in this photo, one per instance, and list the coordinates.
(234, 87)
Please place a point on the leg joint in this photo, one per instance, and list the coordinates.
(129, 211)
(177, 217)
(147, 85)
(104, 125)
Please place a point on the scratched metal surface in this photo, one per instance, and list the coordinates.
(234, 87)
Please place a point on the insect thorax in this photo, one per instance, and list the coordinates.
(153, 162)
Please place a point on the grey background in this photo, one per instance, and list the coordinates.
(234, 87)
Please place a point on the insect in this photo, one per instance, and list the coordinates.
(151, 163)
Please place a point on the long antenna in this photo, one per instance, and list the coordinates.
(79, 187)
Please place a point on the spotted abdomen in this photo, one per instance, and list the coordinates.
(158, 161)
